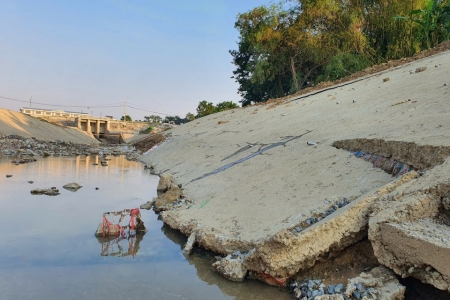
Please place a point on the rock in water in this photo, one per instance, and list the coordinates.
(49, 192)
(72, 186)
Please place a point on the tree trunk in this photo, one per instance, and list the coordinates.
(294, 74)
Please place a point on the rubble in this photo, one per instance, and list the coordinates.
(148, 205)
(232, 267)
(129, 223)
(409, 230)
(189, 244)
(380, 283)
(25, 150)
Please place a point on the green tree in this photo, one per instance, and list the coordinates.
(205, 108)
(225, 105)
(190, 117)
(282, 48)
(433, 20)
(127, 118)
(153, 119)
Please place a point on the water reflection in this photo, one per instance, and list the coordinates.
(202, 261)
(50, 252)
(120, 246)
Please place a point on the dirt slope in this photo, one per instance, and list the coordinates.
(12, 122)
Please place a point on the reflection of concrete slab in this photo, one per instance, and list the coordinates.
(273, 202)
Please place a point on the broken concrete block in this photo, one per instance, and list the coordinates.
(189, 244)
(231, 267)
(168, 197)
(417, 247)
(348, 226)
(380, 283)
(148, 205)
(405, 232)
(165, 182)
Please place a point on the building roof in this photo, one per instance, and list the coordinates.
(54, 110)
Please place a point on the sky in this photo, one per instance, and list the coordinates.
(160, 57)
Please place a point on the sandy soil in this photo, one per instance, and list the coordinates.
(12, 122)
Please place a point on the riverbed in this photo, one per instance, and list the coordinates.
(48, 249)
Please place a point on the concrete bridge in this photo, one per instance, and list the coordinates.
(99, 127)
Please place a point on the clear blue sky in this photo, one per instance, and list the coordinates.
(163, 55)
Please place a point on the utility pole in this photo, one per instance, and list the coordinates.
(30, 100)
(124, 111)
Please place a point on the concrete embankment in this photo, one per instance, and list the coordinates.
(16, 123)
(279, 186)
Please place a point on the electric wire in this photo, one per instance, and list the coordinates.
(61, 105)
(117, 104)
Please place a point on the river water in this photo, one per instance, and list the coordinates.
(48, 249)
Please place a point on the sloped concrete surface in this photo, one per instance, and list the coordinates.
(252, 182)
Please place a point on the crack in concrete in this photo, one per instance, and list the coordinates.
(227, 166)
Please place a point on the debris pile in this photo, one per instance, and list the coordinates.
(152, 141)
(109, 227)
(25, 150)
(379, 283)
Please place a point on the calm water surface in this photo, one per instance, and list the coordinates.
(48, 249)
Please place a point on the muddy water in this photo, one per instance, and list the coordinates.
(48, 249)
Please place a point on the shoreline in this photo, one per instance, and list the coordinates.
(254, 205)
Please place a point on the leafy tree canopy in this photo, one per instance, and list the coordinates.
(205, 108)
(127, 118)
(285, 47)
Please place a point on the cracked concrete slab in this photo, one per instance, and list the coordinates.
(283, 202)
(409, 229)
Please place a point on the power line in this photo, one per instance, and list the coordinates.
(118, 104)
(151, 111)
(60, 105)
(159, 112)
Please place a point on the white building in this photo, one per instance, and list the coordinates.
(39, 112)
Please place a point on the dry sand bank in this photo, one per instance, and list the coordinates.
(263, 205)
(12, 122)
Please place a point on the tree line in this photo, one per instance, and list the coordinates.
(204, 108)
(285, 47)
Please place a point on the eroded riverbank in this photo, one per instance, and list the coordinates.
(269, 181)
